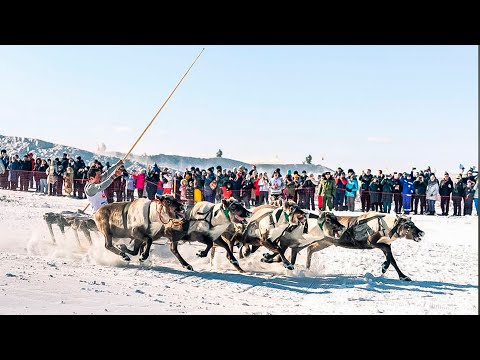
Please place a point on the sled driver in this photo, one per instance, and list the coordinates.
(98, 182)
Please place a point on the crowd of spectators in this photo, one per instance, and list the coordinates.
(414, 192)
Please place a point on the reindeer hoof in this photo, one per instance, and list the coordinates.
(289, 266)
(189, 267)
(124, 256)
(202, 254)
(267, 255)
(265, 260)
(405, 278)
(384, 268)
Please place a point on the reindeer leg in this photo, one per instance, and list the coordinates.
(137, 244)
(277, 250)
(174, 250)
(145, 250)
(293, 256)
(51, 232)
(212, 255)
(204, 253)
(103, 228)
(62, 229)
(109, 246)
(230, 256)
(313, 248)
(76, 236)
(387, 250)
(87, 235)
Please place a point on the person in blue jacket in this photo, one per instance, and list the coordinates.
(351, 190)
(407, 191)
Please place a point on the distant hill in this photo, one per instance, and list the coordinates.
(44, 149)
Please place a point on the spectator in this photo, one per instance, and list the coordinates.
(52, 189)
(131, 185)
(290, 187)
(4, 169)
(458, 193)
(208, 189)
(397, 193)
(183, 190)
(445, 189)
(42, 176)
(198, 185)
(58, 171)
(375, 189)
(351, 190)
(431, 195)
(79, 175)
(469, 176)
(276, 186)
(309, 192)
(25, 173)
(190, 194)
(407, 191)
(339, 199)
(327, 190)
(366, 179)
(263, 185)
(420, 187)
(14, 171)
(246, 190)
(475, 197)
(256, 188)
(387, 193)
(37, 174)
(140, 183)
(68, 181)
(469, 195)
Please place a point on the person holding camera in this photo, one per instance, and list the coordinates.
(366, 179)
(458, 193)
(420, 189)
(445, 189)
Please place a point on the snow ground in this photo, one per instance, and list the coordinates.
(37, 277)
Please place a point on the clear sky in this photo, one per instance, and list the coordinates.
(388, 107)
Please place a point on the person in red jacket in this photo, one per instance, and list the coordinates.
(339, 200)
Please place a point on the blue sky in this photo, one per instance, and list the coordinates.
(388, 107)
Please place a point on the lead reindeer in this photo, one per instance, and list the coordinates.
(372, 230)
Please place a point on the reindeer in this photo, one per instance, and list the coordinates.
(141, 220)
(206, 223)
(372, 230)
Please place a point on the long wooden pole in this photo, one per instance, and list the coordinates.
(165, 103)
(158, 112)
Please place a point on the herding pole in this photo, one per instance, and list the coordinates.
(158, 112)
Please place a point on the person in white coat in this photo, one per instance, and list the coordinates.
(432, 194)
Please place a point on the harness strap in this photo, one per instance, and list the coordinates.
(148, 217)
(394, 229)
(209, 221)
(124, 216)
